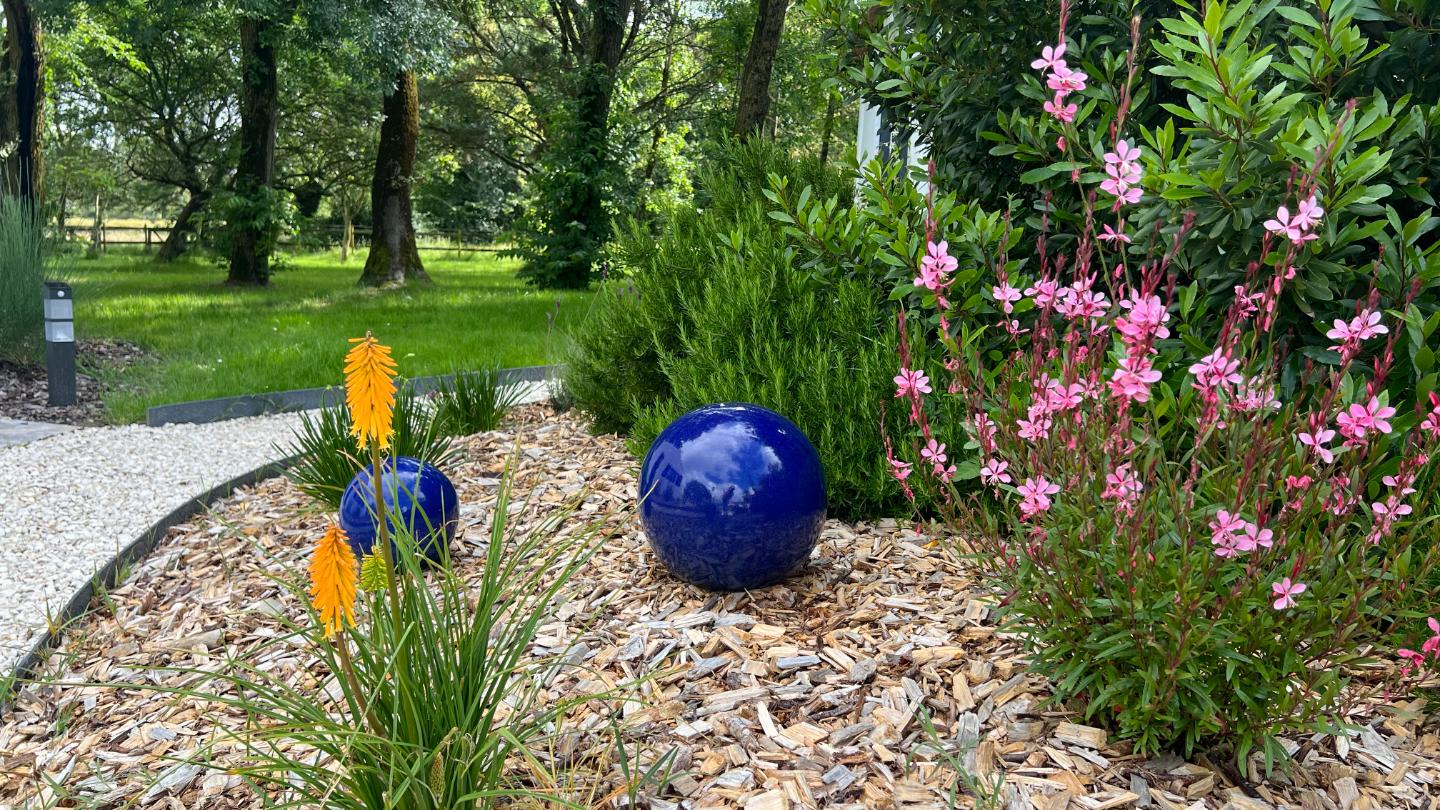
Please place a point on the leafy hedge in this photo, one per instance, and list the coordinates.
(716, 309)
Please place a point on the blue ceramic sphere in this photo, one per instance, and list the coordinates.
(732, 497)
(417, 495)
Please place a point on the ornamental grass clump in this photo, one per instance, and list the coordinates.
(1192, 560)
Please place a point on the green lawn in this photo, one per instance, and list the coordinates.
(209, 340)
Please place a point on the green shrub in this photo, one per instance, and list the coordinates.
(328, 455)
(473, 402)
(22, 276)
(715, 309)
(822, 357)
(1227, 97)
(612, 368)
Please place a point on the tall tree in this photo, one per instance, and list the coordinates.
(754, 105)
(252, 227)
(394, 258)
(161, 77)
(22, 102)
(565, 253)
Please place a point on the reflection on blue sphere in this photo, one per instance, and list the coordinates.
(732, 496)
(417, 496)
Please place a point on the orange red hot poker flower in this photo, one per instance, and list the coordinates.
(370, 391)
(333, 580)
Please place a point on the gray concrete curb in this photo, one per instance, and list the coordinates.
(204, 411)
(138, 548)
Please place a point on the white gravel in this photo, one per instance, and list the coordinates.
(68, 503)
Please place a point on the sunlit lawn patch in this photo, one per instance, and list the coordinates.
(209, 340)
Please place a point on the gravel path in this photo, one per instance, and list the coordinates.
(68, 503)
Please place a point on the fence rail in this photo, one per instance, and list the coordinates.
(152, 236)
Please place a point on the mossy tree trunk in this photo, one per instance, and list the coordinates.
(22, 103)
(754, 106)
(250, 243)
(394, 259)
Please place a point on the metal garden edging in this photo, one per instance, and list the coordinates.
(138, 548)
(217, 410)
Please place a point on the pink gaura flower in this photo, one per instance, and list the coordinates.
(984, 430)
(1035, 428)
(1006, 296)
(1286, 591)
(1308, 215)
(942, 472)
(911, 383)
(1124, 153)
(1045, 292)
(933, 452)
(1122, 484)
(1432, 646)
(1431, 423)
(1223, 531)
(1050, 58)
(1035, 496)
(1065, 81)
(1252, 537)
(1316, 441)
(1078, 301)
(1409, 660)
(1391, 510)
(900, 469)
(1109, 234)
(1398, 483)
(1146, 317)
(1360, 328)
(1357, 419)
(937, 255)
(1123, 173)
(929, 278)
(994, 472)
(1132, 379)
(1215, 370)
(1293, 228)
(1059, 110)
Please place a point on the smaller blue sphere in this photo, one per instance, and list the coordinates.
(732, 497)
(417, 496)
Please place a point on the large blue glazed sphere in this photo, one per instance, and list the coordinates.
(417, 495)
(732, 496)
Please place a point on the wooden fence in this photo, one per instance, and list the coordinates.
(152, 236)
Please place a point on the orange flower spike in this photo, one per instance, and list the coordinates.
(370, 391)
(333, 579)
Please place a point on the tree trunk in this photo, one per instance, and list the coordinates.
(394, 258)
(22, 104)
(759, 64)
(178, 240)
(829, 130)
(251, 240)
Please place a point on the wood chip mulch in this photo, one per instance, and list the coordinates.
(814, 693)
(25, 392)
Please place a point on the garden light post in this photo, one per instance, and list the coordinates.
(60, 343)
